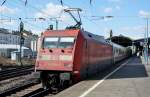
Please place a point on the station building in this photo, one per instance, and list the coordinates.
(10, 41)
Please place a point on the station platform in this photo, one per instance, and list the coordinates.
(129, 79)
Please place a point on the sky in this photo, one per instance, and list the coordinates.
(128, 15)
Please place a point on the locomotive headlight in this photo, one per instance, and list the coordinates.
(65, 57)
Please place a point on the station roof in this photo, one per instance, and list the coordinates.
(122, 40)
(141, 40)
(138, 41)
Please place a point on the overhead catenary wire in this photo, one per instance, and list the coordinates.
(9, 19)
(31, 25)
(39, 10)
(95, 24)
(48, 16)
(26, 1)
(3, 2)
(30, 19)
(33, 7)
(91, 1)
(92, 18)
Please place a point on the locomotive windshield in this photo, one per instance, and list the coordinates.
(58, 42)
(66, 42)
(50, 42)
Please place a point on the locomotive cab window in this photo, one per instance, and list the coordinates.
(50, 42)
(58, 42)
(66, 42)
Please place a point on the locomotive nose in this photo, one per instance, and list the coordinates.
(57, 53)
(52, 59)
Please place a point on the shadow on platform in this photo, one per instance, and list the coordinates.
(130, 71)
(134, 69)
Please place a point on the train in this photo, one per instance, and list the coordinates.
(71, 55)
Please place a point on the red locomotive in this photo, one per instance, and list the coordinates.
(67, 56)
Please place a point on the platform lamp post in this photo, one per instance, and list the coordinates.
(111, 35)
(111, 32)
(21, 40)
(146, 41)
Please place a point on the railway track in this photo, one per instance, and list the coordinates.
(18, 85)
(26, 91)
(34, 90)
(14, 72)
(29, 89)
